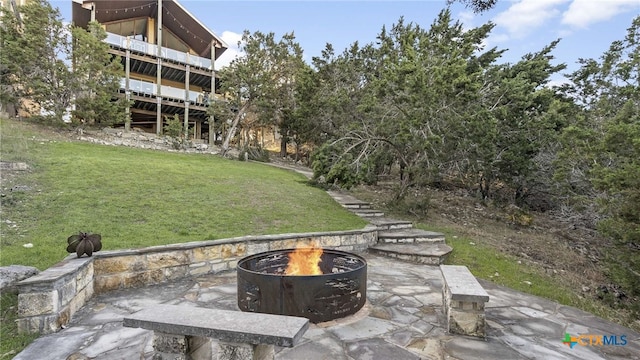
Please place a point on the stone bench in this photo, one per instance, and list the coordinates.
(185, 332)
(463, 299)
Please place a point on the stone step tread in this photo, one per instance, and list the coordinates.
(409, 233)
(386, 222)
(364, 211)
(433, 250)
(368, 212)
(357, 206)
(346, 199)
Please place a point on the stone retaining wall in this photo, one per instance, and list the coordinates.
(142, 140)
(48, 300)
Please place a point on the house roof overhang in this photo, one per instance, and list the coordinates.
(175, 18)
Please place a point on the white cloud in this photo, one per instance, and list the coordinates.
(232, 52)
(563, 33)
(466, 18)
(498, 38)
(582, 13)
(557, 82)
(524, 16)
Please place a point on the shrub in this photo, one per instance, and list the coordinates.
(416, 203)
(174, 129)
(254, 153)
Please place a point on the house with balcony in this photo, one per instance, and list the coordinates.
(168, 56)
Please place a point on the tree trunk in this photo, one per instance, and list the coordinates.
(234, 125)
(212, 131)
(283, 146)
(284, 139)
(485, 187)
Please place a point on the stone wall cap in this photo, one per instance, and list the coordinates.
(462, 284)
(230, 241)
(225, 325)
(66, 267)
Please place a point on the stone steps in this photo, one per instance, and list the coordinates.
(421, 253)
(397, 238)
(384, 223)
(349, 201)
(357, 205)
(367, 213)
(409, 236)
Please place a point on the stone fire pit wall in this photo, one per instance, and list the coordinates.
(48, 300)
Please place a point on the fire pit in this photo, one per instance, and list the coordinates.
(271, 283)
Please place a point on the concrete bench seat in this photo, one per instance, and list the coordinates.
(463, 299)
(185, 332)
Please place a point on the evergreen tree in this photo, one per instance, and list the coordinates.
(35, 55)
(477, 6)
(49, 64)
(521, 124)
(262, 81)
(97, 76)
(601, 151)
(434, 102)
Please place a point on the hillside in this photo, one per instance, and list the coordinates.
(564, 254)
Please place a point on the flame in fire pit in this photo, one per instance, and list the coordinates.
(305, 260)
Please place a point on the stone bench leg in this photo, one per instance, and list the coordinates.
(240, 351)
(464, 317)
(167, 346)
(179, 347)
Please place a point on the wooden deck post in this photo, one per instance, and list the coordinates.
(159, 72)
(212, 128)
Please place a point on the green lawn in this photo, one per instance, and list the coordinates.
(137, 198)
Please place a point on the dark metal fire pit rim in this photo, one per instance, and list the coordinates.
(363, 262)
(338, 292)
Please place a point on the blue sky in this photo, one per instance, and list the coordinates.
(586, 27)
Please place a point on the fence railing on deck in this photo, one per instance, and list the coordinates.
(152, 49)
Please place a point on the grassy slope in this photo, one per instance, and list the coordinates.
(137, 198)
(507, 270)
